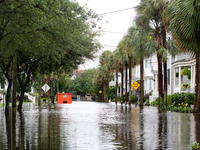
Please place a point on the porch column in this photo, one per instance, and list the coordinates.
(174, 79)
(194, 75)
(192, 78)
(179, 79)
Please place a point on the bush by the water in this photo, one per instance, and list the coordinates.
(179, 102)
(133, 98)
(26, 99)
(178, 99)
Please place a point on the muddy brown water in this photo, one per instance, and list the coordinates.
(98, 126)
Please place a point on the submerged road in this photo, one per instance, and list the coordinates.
(98, 126)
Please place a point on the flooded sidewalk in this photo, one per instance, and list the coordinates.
(98, 126)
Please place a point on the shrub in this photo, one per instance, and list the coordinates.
(44, 100)
(146, 96)
(155, 102)
(147, 101)
(25, 98)
(169, 99)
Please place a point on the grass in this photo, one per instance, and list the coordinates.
(10, 104)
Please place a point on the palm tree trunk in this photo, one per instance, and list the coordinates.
(141, 82)
(101, 94)
(130, 71)
(126, 83)
(104, 91)
(122, 84)
(107, 91)
(163, 34)
(197, 90)
(160, 81)
(116, 87)
(165, 84)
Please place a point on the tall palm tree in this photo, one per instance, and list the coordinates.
(185, 27)
(132, 59)
(139, 38)
(104, 73)
(151, 12)
(114, 63)
(119, 55)
(122, 56)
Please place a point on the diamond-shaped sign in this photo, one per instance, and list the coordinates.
(45, 88)
(135, 85)
(100, 91)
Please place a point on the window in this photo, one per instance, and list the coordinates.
(146, 65)
(150, 63)
(150, 84)
(168, 76)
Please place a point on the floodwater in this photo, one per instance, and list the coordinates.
(98, 126)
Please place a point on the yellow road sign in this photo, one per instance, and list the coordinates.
(100, 91)
(135, 85)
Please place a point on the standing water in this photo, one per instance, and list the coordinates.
(98, 126)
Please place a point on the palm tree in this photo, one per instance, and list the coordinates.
(140, 40)
(120, 57)
(114, 64)
(132, 59)
(185, 27)
(151, 12)
(104, 73)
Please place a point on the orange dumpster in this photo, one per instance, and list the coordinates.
(64, 98)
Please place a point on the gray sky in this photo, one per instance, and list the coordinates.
(115, 24)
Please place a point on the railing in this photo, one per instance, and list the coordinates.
(30, 97)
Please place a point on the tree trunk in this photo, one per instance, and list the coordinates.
(39, 97)
(130, 71)
(8, 96)
(197, 88)
(57, 86)
(160, 79)
(104, 91)
(14, 83)
(126, 83)
(101, 94)
(165, 84)
(160, 82)
(53, 88)
(21, 99)
(107, 90)
(163, 34)
(122, 85)
(116, 87)
(49, 86)
(141, 82)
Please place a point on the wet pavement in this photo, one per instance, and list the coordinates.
(98, 126)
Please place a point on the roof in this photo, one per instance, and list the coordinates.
(182, 60)
(78, 72)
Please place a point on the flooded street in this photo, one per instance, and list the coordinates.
(98, 126)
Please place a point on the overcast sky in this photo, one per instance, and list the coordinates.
(115, 24)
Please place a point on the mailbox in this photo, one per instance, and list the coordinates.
(64, 98)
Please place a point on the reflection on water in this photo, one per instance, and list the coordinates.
(94, 126)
